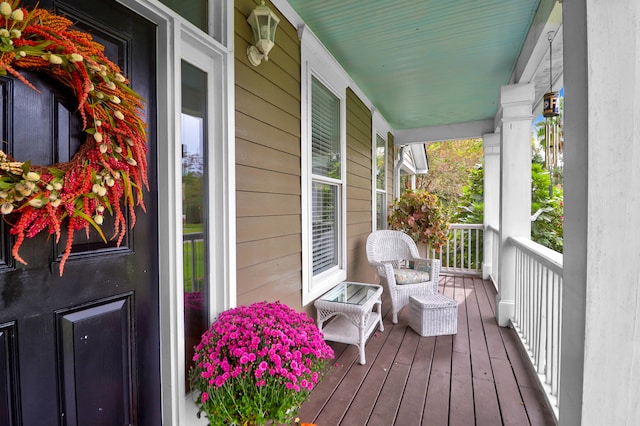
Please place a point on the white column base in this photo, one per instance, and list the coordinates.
(505, 312)
(486, 270)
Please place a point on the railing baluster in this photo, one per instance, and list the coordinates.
(538, 310)
(460, 254)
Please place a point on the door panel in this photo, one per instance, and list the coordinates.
(8, 384)
(95, 346)
(81, 349)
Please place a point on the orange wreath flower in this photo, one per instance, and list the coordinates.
(109, 167)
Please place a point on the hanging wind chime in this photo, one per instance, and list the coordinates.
(551, 111)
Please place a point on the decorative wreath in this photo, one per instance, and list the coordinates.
(109, 167)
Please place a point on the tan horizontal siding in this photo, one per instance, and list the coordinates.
(357, 230)
(356, 217)
(266, 181)
(360, 186)
(259, 84)
(264, 227)
(262, 204)
(256, 252)
(361, 182)
(266, 135)
(359, 194)
(359, 268)
(261, 157)
(286, 289)
(359, 163)
(276, 269)
(268, 210)
(264, 111)
(362, 207)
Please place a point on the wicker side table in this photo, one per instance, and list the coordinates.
(354, 310)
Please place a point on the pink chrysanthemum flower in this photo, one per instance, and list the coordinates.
(258, 363)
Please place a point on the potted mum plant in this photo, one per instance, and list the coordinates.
(419, 214)
(258, 364)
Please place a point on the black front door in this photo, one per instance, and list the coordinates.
(84, 348)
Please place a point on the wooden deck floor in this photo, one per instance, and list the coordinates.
(477, 377)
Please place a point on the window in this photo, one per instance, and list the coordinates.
(194, 208)
(197, 238)
(323, 171)
(326, 182)
(195, 12)
(381, 182)
(210, 16)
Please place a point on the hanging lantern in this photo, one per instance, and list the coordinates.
(551, 105)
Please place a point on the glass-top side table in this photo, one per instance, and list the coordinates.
(355, 309)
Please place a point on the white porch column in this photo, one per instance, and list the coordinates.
(600, 374)
(515, 187)
(491, 189)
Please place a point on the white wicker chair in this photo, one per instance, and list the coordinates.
(386, 250)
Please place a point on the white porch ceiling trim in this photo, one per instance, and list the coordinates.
(470, 129)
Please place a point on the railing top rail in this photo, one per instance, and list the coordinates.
(466, 226)
(547, 257)
(492, 228)
(193, 236)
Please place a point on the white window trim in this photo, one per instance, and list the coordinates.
(318, 63)
(212, 59)
(380, 128)
(178, 39)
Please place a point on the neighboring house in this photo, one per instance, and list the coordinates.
(285, 218)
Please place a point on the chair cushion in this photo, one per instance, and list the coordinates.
(420, 265)
(411, 276)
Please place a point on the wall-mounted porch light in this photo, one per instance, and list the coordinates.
(263, 23)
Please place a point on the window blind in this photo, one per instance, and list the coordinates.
(325, 226)
(325, 131)
(325, 155)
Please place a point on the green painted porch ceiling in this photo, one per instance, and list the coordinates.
(424, 62)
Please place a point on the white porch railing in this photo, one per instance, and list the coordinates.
(463, 252)
(538, 310)
(193, 261)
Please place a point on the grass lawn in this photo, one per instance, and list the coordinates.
(192, 228)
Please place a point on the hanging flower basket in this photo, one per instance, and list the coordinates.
(419, 214)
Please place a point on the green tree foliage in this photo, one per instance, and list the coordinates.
(192, 188)
(470, 208)
(546, 210)
(449, 166)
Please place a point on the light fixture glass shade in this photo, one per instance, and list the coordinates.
(263, 24)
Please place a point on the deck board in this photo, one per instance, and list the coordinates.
(480, 376)
(415, 393)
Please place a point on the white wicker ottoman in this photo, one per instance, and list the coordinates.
(433, 315)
